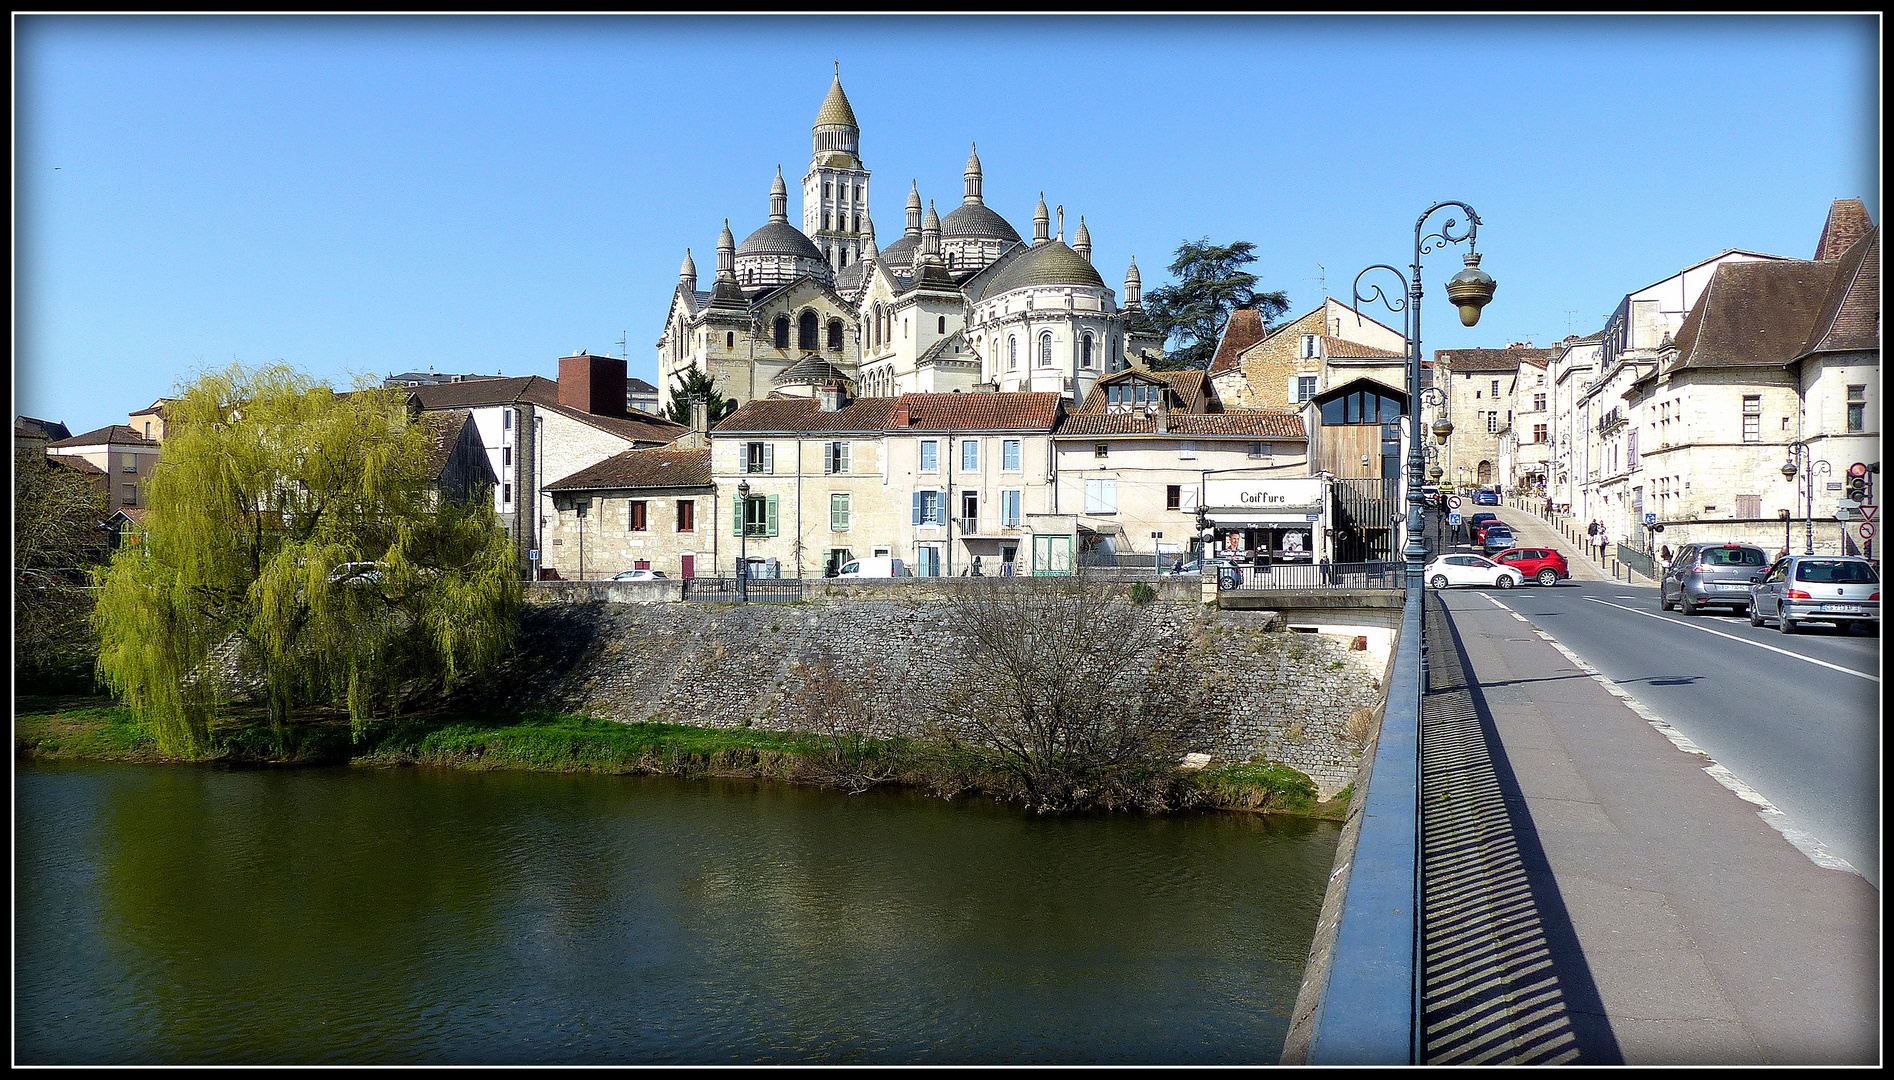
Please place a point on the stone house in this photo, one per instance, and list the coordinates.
(1480, 388)
(120, 452)
(652, 509)
(1283, 367)
(457, 463)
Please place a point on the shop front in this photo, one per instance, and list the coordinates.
(1282, 520)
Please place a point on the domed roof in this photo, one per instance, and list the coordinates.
(812, 369)
(974, 220)
(835, 108)
(1050, 263)
(901, 253)
(779, 238)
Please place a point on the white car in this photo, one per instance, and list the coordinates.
(1468, 569)
(639, 575)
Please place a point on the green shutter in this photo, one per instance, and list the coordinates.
(772, 516)
(736, 516)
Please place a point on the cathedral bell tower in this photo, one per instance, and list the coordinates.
(835, 191)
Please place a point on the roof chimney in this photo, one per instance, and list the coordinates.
(900, 417)
(700, 414)
(830, 398)
(593, 384)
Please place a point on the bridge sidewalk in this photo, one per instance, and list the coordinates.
(1594, 895)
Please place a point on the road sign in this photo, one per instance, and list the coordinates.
(1453, 503)
(1859, 468)
(1453, 519)
(1650, 519)
(533, 555)
(1866, 530)
(1867, 511)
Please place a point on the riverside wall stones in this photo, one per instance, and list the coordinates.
(1286, 696)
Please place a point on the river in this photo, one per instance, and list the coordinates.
(183, 914)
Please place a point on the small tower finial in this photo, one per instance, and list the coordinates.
(1041, 222)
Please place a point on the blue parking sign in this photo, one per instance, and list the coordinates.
(1650, 519)
(1453, 519)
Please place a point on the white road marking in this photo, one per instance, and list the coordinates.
(1746, 641)
(1803, 841)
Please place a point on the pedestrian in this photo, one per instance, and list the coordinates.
(1328, 572)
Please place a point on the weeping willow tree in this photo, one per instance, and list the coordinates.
(294, 538)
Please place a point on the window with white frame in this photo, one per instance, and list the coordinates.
(1310, 348)
(1858, 408)
(1012, 354)
(930, 455)
(835, 457)
(1085, 352)
(1045, 350)
(970, 455)
(1009, 455)
(1101, 496)
(929, 508)
(1305, 387)
(1492, 422)
(838, 512)
(1187, 449)
(1752, 417)
(759, 457)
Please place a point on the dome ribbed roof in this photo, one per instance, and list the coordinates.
(1050, 263)
(901, 252)
(976, 220)
(835, 108)
(812, 369)
(779, 238)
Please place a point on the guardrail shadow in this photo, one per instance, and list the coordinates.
(1503, 978)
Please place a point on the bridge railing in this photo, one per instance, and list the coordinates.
(1368, 1013)
(1351, 575)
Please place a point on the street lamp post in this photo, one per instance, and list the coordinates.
(743, 541)
(1469, 290)
(1808, 470)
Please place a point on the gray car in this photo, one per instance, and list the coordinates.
(1835, 589)
(1710, 575)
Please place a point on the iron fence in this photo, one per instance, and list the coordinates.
(1375, 574)
(729, 590)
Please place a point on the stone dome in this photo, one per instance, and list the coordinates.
(972, 220)
(1050, 263)
(779, 238)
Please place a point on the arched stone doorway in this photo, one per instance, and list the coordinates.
(1485, 473)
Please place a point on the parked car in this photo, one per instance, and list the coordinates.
(357, 573)
(1486, 497)
(1543, 565)
(639, 575)
(1710, 575)
(1497, 537)
(1468, 569)
(1476, 525)
(878, 566)
(1835, 589)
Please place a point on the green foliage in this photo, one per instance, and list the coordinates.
(1142, 593)
(697, 381)
(1211, 283)
(1259, 784)
(267, 482)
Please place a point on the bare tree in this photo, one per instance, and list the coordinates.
(842, 714)
(56, 515)
(1075, 694)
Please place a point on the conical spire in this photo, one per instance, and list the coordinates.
(914, 208)
(1041, 222)
(930, 235)
(870, 253)
(1134, 284)
(835, 111)
(973, 175)
(726, 253)
(779, 198)
(1082, 241)
(687, 274)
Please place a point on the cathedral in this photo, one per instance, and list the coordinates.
(959, 302)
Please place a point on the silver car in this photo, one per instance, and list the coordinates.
(1710, 575)
(1835, 589)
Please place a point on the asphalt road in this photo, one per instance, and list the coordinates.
(1797, 718)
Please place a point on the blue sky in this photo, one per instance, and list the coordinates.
(368, 195)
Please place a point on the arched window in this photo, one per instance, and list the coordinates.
(1085, 352)
(1045, 350)
(825, 220)
(835, 333)
(808, 335)
(875, 339)
(858, 223)
(782, 331)
(730, 339)
(943, 324)
(950, 260)
(844, 254)
(1012, 354)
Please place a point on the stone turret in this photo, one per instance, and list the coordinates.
(687, 274)
(973, 175)
(1041, 222)
(1082, 241)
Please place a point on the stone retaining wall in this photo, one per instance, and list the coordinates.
(1287, 696)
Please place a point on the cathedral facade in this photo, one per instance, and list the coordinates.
(959, 302)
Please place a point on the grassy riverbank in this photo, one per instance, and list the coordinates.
(98, 729)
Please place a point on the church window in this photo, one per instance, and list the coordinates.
(826, 193)
(844, 254)
(782, 331)
(1045, 350)
(858, 193)
(825, 219)
(858, 223)
(950, 260)
(730, 339)
(1012, 354)
(1085, 352)
(807, 336)
(943, 324)
(835, 333)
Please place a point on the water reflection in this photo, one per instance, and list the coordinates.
(198, 915)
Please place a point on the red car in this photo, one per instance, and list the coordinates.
(1543, 565)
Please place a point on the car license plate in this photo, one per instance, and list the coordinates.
(1842, 607)
(1731, 585)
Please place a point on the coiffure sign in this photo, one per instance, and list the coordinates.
(1302, 495)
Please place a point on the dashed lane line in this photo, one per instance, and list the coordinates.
(1744, 640)
(1803, 841)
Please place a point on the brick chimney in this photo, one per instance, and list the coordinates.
(900, 417)
(593, 384)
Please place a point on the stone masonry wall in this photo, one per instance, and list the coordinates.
(1287, 696)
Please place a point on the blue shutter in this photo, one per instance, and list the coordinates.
(917, 508)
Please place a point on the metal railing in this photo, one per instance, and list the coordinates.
(726, 590)
(1637, 560)
(1369, 1010)
(1353, 575)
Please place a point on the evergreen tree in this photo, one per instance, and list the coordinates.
(697, 381)
(268, 482)
(1211, 283)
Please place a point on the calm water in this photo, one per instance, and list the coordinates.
(175, 914)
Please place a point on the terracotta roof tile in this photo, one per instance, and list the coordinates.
(792, 415)
(1022, 411)
(1493, 360)
(1343, 349)
(1753, 314)
(1239, 423)
(1192, 389)
(658, 467)
(480, 392)
(1245, 328)
(114, 434)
